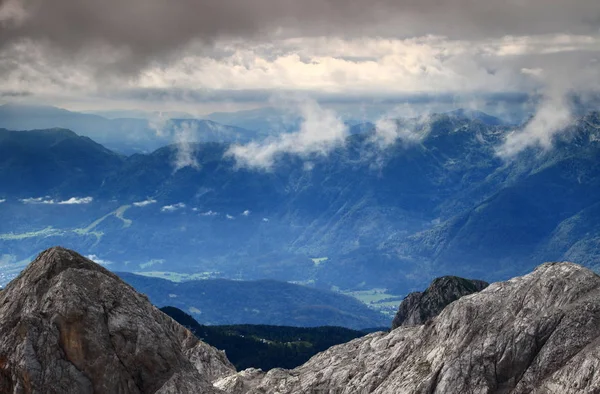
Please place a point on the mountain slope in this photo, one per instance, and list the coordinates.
(70, 326)
(536, 333)
(540, 192)
(363, 217)
(220, 302)
(54, 161)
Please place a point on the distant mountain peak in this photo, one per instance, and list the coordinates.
(418, 307)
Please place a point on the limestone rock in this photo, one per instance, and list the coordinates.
(67, 325)
(539, 333)
(418, 307)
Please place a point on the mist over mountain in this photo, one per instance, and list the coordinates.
(366, 215)
(126, 135)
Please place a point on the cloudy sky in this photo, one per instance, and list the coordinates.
(210, 55)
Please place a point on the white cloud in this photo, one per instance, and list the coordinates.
(209, 213)
(388, 131)
(183, 136)
(49, 201)
(2, 200)
(265, 220)
(76, 201)
(229, 217)
(144, 203)
(186, 152)
(173, 207)
(37, 200)
(321, 131)
(98, 260)
(552, 116)
(246, 213)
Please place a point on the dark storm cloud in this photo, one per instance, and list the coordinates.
(150, 27)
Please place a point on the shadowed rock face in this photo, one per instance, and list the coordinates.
(418, 307)
(67, 325)
(539, 333)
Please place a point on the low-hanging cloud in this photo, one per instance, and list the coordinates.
(402, 124)
(77, 201)
(321, 130)
(173, 207)
(37, 200)
(182, 134)
(144, 203)
(184, 141)
(50, 201)
(98, 260)
(552, 116)
(560, 80)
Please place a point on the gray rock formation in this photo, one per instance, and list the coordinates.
(539, 333)
(67, 325)
(418, 307)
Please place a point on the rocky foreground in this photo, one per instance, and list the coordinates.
(537, 333)
(68, 325)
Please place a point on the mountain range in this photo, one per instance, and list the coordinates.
(227, 302)
(125, 135)
(363, 217)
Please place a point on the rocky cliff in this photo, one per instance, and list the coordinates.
(418, 307)
(538, 333)
(67, 325)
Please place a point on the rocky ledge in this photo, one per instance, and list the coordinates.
(538, 333)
